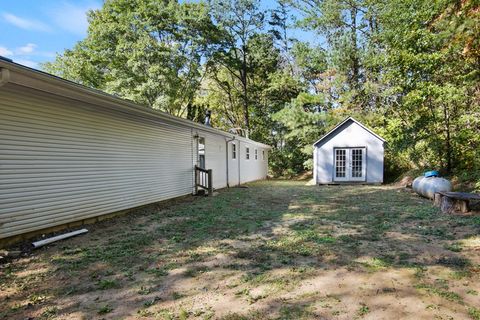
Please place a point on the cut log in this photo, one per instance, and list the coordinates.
(437, 199)
(451, 205)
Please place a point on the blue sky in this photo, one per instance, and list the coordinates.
(33, 31)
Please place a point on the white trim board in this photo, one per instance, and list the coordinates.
(341, 124)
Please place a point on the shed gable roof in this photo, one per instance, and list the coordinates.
(338, 126)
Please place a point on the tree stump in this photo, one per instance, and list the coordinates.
(437, 199)
(450, 205)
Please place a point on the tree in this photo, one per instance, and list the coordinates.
(269, 87)
(279, 27)
(347, 27)
(148, 51)
(432, 66)
(240, 21)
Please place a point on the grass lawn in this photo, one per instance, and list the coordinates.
(275, 250)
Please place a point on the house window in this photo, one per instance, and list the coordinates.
(234, 151)
(263, 154)
(247, 153)
(256, 154)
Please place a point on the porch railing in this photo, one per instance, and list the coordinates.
(203, 180)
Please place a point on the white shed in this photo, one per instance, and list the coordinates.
(349, 153)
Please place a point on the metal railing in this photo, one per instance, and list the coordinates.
(203, 180)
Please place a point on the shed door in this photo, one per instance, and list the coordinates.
(341, 165)
(357, 164)
(350, 164)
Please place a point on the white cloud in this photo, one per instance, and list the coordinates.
(26, 62)
(72, 17)
(26, 49)
(25, 55)
(26, 24)
(5, 52)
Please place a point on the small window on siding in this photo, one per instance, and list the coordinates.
(234, 151)
(263, 154)
(247, 153)
(256, 154)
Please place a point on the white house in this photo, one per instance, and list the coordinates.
(349, 153)
(69, 153)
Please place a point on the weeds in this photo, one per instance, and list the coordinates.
(105, 309)
(106, 284)
(448, 295)
(474, 313)
(363, 310)
(259, 243)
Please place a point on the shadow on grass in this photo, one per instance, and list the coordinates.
(280, 225)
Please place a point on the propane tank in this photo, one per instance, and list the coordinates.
(428, 186)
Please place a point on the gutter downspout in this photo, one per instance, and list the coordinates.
(239, 159)
(226, 143)
(4, 76)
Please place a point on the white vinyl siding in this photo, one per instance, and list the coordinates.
(215, 158)
(252, 170)
(234, 164)
(62, 162)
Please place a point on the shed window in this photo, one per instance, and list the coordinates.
(234, 151)
(247, 153)
(263, 154)
(256, 154)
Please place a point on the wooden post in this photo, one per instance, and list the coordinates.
(464, 206)
(437, 199)
(196, 180)
(210, 182)
(447, 205)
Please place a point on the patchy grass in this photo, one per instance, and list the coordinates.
(274, 250)
(449, 295)
(105, 309)
(474, 313)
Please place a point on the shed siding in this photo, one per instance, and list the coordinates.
(61, 161)
(349, 135)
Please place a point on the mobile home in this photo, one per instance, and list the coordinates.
(70, 153)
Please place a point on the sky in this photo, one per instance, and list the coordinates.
(34, 31)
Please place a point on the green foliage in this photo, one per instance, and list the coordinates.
(144, 50)
(409, 69)
(105, 309)
(304, 123)
(433, 80)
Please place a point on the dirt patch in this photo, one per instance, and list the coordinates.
(274, 250)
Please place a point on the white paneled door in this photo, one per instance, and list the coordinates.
(350, 164)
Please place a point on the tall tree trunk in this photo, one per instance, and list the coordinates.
(244, 77)
(355, 63)
(448, 145)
